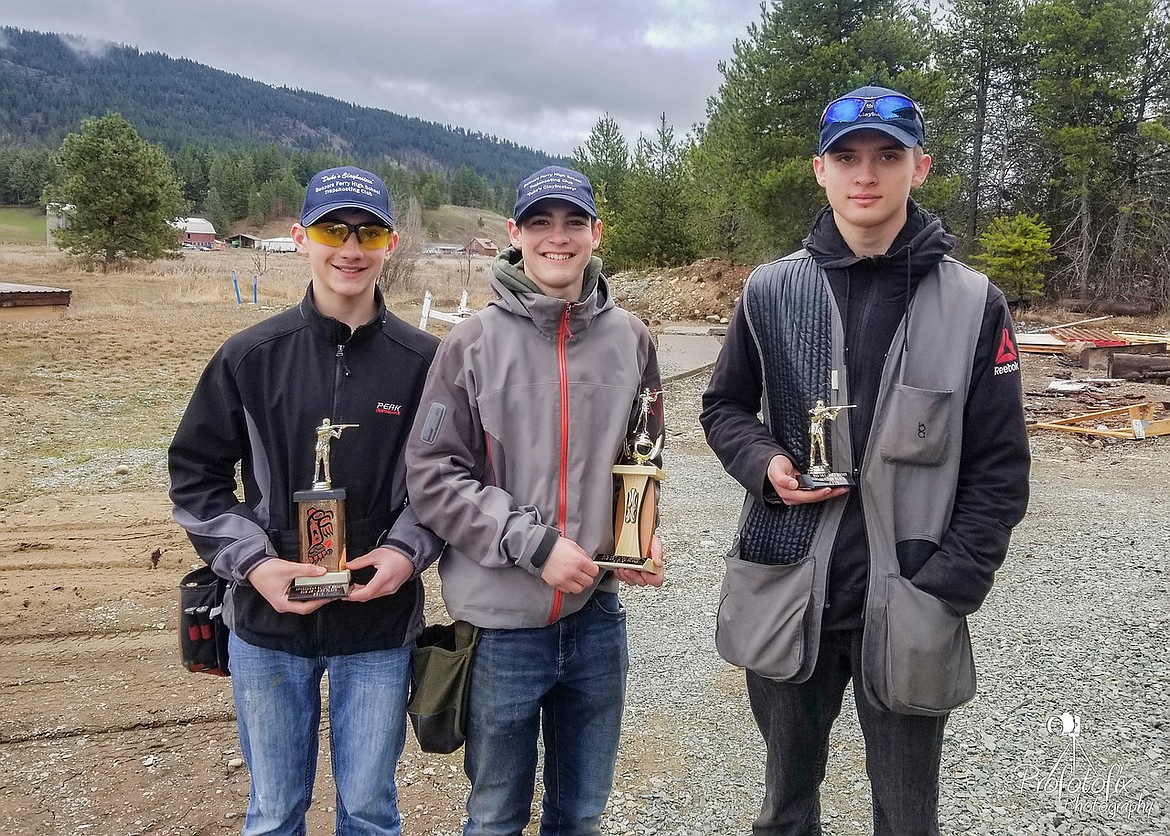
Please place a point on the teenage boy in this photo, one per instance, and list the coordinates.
(869, 583)
(523, 416)
(339, 355)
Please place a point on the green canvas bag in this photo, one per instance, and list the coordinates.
(439, 683)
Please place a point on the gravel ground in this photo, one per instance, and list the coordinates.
(1078, 624)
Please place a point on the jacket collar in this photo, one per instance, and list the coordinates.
(336, 331)
(919, 246)
(547, 312)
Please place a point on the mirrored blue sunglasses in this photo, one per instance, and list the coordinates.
(888, 107)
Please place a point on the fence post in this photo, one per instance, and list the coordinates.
(426, 311)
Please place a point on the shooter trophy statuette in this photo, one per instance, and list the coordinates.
(637, 506)
(819, 475)
(321, 529)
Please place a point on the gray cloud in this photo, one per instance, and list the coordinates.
(538, 73)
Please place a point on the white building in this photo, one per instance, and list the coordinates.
(278, 245)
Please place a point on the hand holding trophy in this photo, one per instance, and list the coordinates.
(321, 529)
(636, 515)
(819, 475)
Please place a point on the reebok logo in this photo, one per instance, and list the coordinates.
(1007, 349)
(1007, 359)
(388, 408)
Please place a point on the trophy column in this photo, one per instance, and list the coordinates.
(636, 516)
(321, 527)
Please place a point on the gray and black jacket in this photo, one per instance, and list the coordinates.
(257, 405)
(925, 348)
(523, 417)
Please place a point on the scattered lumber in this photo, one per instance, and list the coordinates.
(1140, 417)
(1138, 339)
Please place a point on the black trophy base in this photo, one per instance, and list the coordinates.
(810, 482)
(325, 587)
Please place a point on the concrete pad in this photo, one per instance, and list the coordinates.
(682, 355)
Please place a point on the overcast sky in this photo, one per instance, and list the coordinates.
(539, 73)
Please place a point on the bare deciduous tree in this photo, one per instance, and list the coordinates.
(259, 258)
(399, 270)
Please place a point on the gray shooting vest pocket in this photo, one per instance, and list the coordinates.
(929, 666)
(762, 613)
(916, 430)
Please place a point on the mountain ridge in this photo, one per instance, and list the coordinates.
(47, 87)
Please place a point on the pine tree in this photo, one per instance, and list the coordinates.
(1013, 251)
(654, 227)
(122, 195)
(754, 178)
(605, 159)
(1083, 92)
(979, 47)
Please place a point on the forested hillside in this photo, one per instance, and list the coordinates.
(46, 89)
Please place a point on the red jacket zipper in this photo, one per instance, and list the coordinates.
(563, 336)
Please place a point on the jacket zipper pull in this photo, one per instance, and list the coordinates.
(565, 319)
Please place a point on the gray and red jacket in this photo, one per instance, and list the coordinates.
(523, 417)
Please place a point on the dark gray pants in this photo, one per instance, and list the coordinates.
(902, 752)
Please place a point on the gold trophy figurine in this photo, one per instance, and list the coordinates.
(321, 529)
(819, 474)
(636, 515)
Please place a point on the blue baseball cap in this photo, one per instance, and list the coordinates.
(873, 109)
(554, 181)
(346, 187)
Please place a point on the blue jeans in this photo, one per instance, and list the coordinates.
(902, 752)
(567, 680)
(278, 710)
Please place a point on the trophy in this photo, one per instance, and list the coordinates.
(321, 528)
(637, 506)
(818, 474)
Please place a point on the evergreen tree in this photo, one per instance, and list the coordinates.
(432, 190)
(979, 47)
(752, 162)
(278, 197)
(231, 175)
(1013, 250)
(468, 188)
(216, 212)
(191, 167)
(654, 227)
(24, 173)
(605, 159)
(1083, 92)
(123, 195)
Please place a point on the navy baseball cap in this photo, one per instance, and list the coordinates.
(346, 187)
(873, 109)
(554, 181)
